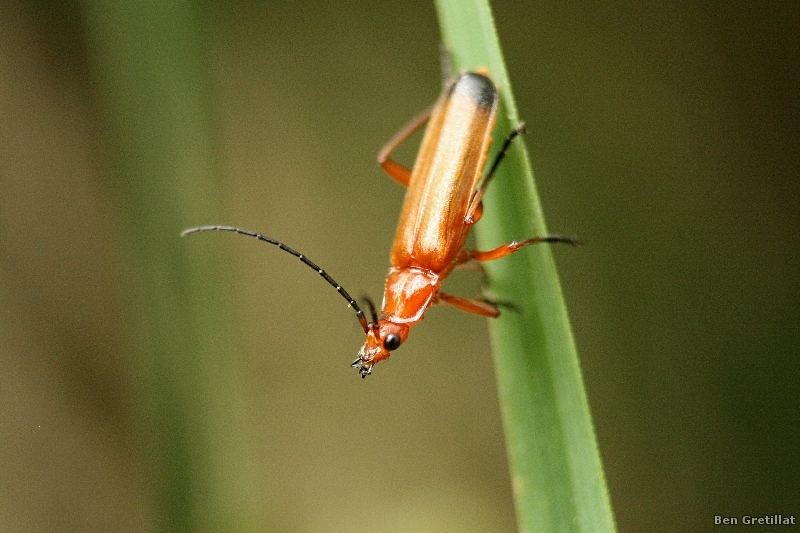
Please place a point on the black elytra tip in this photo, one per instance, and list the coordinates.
(477, 88)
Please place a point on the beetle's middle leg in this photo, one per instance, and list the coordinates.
(510, 248)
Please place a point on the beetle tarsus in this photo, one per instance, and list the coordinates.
(566, 239)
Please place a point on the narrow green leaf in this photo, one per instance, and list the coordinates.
(556, 472)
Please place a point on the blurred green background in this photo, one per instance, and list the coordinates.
(666, 136)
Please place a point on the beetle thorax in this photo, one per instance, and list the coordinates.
(409, 292)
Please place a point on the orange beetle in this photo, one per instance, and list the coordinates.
(442, 203)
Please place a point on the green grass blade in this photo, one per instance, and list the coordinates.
(150, 78)
(556, 472)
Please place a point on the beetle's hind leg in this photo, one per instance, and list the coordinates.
(475, 202)
(401, 174)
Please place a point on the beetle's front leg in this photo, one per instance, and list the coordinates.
(476, 307)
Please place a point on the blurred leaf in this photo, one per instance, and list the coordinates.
(150, 78)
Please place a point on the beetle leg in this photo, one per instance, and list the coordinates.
(473, 213)
(510, 248)
(477, 307)
(396, 171)
(446, 60)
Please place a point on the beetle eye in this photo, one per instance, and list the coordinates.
(391, 342)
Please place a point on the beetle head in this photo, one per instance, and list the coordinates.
(382, 338)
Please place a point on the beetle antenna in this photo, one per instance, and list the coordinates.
(371, 306)
(359, 313)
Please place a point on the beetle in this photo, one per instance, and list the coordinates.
(442, 203)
